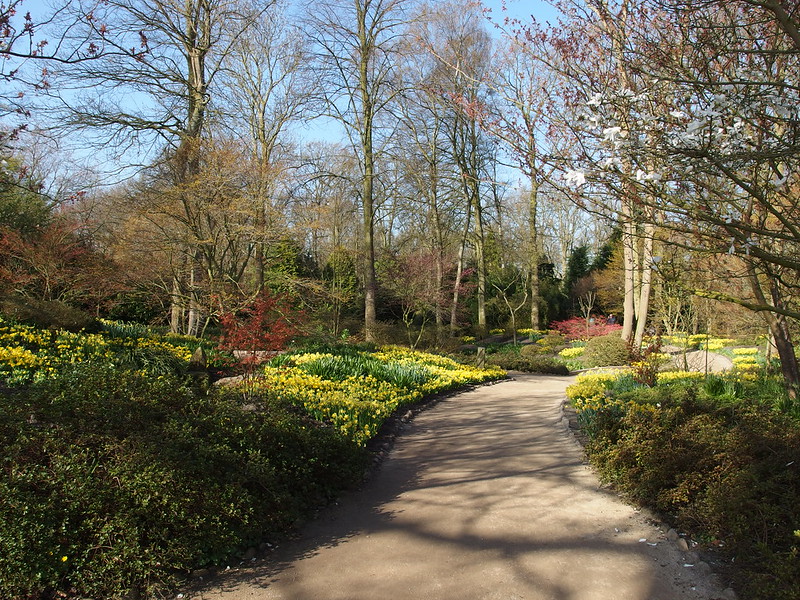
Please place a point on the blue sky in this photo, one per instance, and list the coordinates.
(522, 9)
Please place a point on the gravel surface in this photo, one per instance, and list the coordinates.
(485, 495)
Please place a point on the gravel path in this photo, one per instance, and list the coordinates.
(484, 496)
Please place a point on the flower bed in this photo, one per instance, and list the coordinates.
(356, 394)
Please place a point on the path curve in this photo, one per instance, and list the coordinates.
(484, 496)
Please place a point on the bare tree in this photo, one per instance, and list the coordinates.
(264, 89)
(152, 85)
(458, 39)
(357, 44)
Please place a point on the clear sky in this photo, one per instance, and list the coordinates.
(522, 9)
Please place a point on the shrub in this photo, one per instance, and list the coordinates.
(262, 325)
(117, 483)
(547, 344)
(605, 351)
(722, 472)
(47, 314)
(576, 328)
(529, 364)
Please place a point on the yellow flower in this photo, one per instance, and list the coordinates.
(572, 352)
(745, 351)
(673, 376)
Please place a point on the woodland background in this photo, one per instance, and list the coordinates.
(403, 170)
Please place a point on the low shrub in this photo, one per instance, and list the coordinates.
(607, 350)
(577, 328)
(47, 314)
(722, 466)
(529, 364)
(115, 483)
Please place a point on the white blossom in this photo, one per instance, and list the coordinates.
(575, 178)
(596, 100)
(611, 134)
(642, 176)
(695, 126)
(779, 182)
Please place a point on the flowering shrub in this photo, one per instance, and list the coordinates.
(698, 341)
(28, 354)
(668, 377)
(572, 352)
(714, 344)
(746, 364)
(534, 332)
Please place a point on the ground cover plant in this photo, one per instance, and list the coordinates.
(536, 355)
(120, 472)
(717, 454)
(356, 392)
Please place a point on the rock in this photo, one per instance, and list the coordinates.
(682, 545)
(729, 594)
(703, 568)
(229, 380)
(672, 536)
(198, 361)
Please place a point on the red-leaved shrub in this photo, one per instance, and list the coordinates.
(577, 328)
(260, 329)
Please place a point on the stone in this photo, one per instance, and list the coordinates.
(198, 362)
(703, 568)
(673, 536)
(682, 545)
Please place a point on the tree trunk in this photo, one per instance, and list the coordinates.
(646, 283)
(779, 328)
(367, 52)
(175, 311)
(629, 266)
(480, 259)
(459, 274)
(534, 253)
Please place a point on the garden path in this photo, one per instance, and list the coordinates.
(484, 496)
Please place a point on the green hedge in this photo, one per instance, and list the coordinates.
(724, 471)
(606, 351)
(530, 364)
(113, 482)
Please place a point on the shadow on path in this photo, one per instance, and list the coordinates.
(484, 496)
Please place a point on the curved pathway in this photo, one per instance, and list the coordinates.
(484, 496)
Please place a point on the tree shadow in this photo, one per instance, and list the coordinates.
(483, 497)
